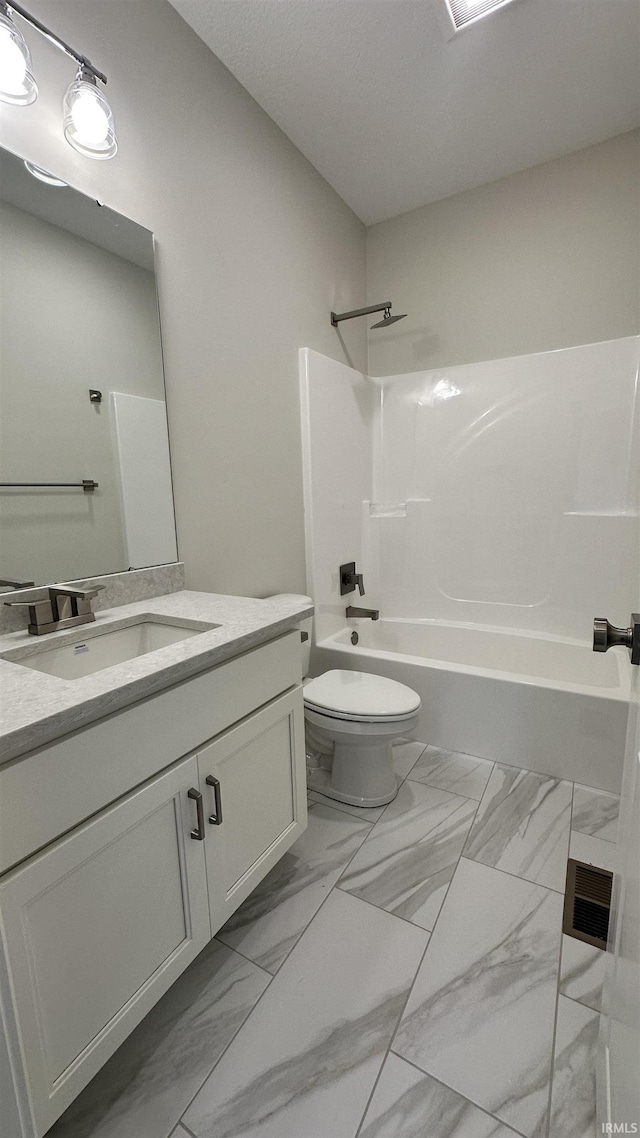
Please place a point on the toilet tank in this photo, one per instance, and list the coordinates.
(305, 625)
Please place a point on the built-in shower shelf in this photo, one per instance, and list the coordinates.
(393, 509)
(388, 509)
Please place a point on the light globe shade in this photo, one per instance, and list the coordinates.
(88, 120)
(17, 82)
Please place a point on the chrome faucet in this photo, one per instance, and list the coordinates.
(372, 614)
(58, 606)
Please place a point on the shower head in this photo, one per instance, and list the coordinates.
(387, 319)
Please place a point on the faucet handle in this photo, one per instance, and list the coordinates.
(28, 604)
(70, 591)
(350, 580)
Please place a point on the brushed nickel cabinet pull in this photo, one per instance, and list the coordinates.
(198, 833)
(215, 819)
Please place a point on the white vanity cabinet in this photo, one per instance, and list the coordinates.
(97, 924)
(251, 811)
(95, 930)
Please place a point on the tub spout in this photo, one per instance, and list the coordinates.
(372, 614)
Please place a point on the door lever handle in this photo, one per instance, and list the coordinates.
(606, 636)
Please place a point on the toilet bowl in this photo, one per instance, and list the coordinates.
(351, 720)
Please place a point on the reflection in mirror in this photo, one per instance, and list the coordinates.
(81, 388)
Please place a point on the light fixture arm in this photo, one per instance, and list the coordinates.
(81, 60)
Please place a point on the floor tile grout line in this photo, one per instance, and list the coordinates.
(391, 1038)
(412, 984)
(186, 1130)
(331, 804)
(471, 1102)
(260, 998)
(225, 1049)
(557, 1001)
(232, 948)
(516, 876)
(425, 782)
(460, 858)
(414, 924)
(301, 934)
(381, 909)
(586, 834)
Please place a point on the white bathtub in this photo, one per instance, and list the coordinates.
(547, 704)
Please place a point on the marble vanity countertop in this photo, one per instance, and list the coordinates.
(36, 708)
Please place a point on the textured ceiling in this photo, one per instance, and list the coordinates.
(394, 114)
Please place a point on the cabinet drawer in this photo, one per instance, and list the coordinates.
(47, 792)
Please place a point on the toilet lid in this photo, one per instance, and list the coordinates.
(361, 695)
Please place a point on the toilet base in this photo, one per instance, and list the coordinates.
(320, 781)
(362, 771)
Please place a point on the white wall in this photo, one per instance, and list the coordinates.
(73, 316)
(254, 250)
(544, 259)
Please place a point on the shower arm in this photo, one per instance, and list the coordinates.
(336, 317)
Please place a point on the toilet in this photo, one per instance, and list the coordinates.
(351, 720)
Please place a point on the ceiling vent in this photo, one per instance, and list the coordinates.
(465, 12)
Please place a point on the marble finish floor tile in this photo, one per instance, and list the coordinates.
(150, 1080)
(480, 1016)
(595, 813)
(582, 972)
(522, 826)
(408, 1104)
(273, 917)
(408, 860)
(593, 851)
(405, 754)
(573, 1099)
(306, 1061)
(453, 771)
(364, 813)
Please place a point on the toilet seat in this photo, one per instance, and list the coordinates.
(353, 696)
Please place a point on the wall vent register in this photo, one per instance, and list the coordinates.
(587, 903)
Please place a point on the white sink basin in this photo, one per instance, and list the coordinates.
(103, 649)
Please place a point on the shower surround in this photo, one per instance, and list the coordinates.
(493, 510)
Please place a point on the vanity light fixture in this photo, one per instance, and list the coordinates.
(43, 175)
(464, 12)
(17, 83)
(88, 120)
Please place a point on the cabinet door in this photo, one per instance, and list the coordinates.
(259, 805)
(95, 929)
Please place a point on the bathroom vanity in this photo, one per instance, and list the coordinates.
(140, 803)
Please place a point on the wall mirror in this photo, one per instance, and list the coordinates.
(85, 477)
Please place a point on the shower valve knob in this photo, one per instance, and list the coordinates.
(607, 636)
(350, 580)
